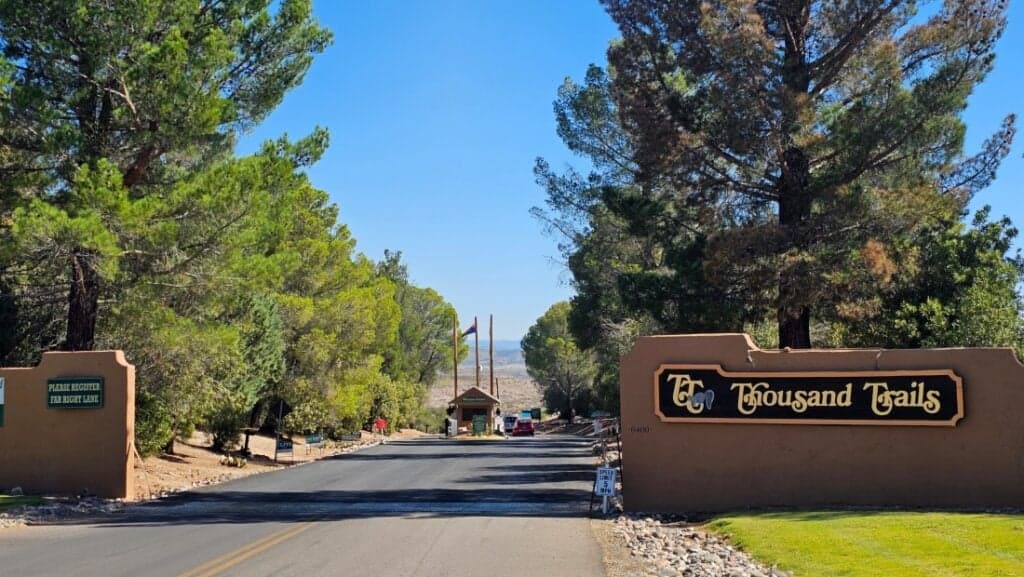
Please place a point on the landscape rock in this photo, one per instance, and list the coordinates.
(669, 547)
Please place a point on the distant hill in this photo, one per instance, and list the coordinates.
(510, 360)
(499, 345)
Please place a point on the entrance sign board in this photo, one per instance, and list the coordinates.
(74, 393)
(822, 433)
(605, 486)
(709, 394)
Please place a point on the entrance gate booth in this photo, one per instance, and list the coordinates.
(474, 403)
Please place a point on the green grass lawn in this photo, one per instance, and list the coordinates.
(882, 543)
(7, 501)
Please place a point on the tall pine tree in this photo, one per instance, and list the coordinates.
(818, 130)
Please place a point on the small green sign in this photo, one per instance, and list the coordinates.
(479, 424)
(75, 393)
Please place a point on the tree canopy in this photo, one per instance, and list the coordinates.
(562, 370)
(796, 164)
(801, 136)
(126, 221)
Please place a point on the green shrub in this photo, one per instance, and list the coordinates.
(153, 424)
(226, 421)
(428, 419)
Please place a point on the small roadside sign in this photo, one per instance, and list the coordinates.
(479, 424)
(605, 486)
(315, 440)
(283, 445)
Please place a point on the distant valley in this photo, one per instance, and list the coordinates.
(515, 387)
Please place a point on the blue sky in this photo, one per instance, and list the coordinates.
(437, 110)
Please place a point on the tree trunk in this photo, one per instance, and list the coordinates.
(793, 186)
(83, 299)
(794, 315)
(795, 332)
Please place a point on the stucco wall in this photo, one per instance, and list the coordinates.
(68, 451)
(699, 466)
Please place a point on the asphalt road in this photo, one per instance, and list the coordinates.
(415, 508)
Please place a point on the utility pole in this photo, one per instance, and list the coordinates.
(455, 355)
(492, 341)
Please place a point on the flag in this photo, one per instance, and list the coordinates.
(470, 330)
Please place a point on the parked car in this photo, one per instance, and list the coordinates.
(510, 423)
(523, 427)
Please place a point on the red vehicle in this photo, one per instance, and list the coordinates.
(523, 427)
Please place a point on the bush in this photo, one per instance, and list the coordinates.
(428, 419)
(153, 424)
(225, 423)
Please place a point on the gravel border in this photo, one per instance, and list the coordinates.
(663, 546)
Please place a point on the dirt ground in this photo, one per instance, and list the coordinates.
(618, 560)
(516, 393)
(194, 464)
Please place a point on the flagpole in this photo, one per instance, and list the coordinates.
(476, 339)
(455, 354)
(491, 342)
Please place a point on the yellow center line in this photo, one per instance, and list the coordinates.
(232, 558)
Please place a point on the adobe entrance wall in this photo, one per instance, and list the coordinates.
(68, 425)
(936, 428)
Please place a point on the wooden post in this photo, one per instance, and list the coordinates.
(455, 355)
(492, 354)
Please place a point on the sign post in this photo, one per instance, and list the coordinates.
(1, 401)
(283, 445)
(605, 486)
(314, 440)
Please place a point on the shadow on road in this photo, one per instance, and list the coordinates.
(330, 505)
(518, 448)
(519, 489)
